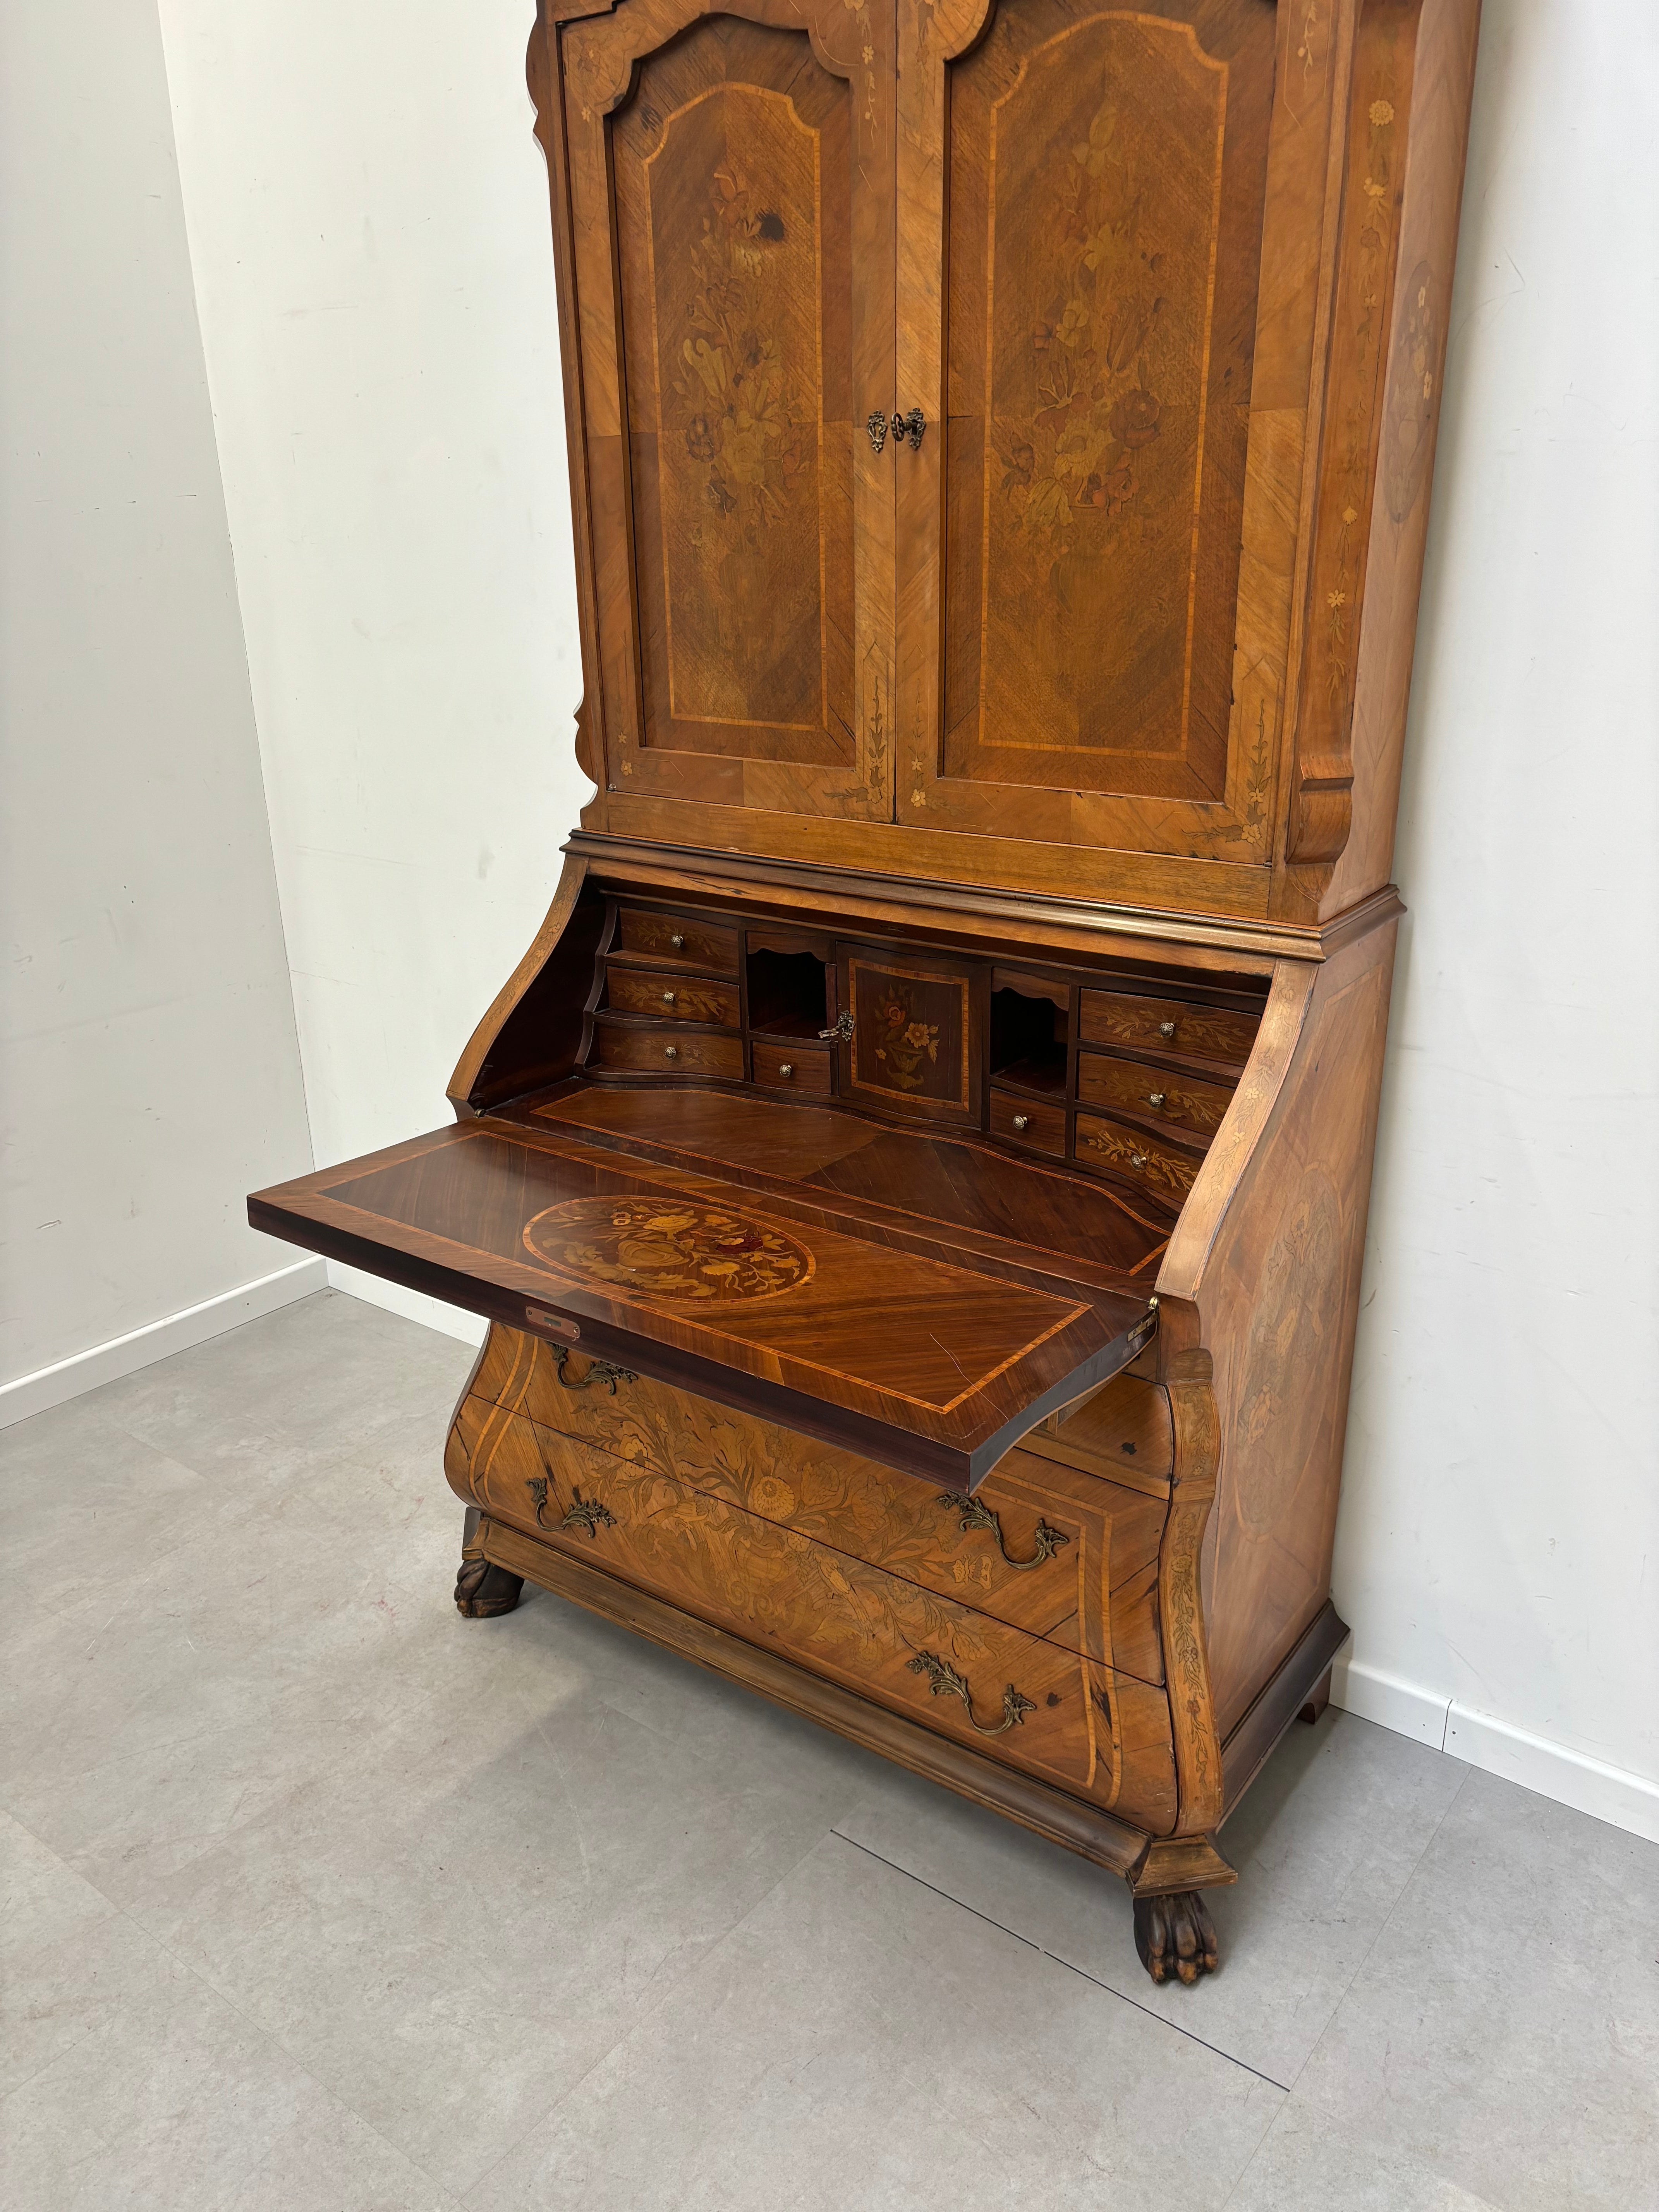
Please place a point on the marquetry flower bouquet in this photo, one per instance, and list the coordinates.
(1095, 415)
(737, 399)
(904, 1043)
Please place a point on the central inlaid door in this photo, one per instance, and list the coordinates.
(1086, 193)
(731, 180)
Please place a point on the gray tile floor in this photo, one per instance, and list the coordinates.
(319, 1897)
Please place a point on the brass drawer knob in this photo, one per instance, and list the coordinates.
(678, 940)
(1022, 1120)
(786, 1069)
(943, 1680)
(669, 996)
(1155, 1098)
(1137, 1159)
(1166, 1028)
(1046, 1542)
(671, 1052)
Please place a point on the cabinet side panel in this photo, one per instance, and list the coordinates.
(1278, 1300)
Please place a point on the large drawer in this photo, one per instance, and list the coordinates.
(1043, 1545)
(1031, 1703)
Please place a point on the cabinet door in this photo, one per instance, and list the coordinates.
(731, 181)
(1089, 209)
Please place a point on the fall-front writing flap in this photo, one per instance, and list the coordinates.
(890, 1334)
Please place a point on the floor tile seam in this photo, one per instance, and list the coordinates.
(1382, 1927)
(1058, 1959)
(643, 2017)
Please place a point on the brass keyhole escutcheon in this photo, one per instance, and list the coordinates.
(876, 427)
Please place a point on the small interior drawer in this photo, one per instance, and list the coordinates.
(1155, 1094)
(1166, 1025)
(686, 939)
(1130, 1154)
(665, 1049)
(803, 1068)
(1032, 1122)
(671, 998)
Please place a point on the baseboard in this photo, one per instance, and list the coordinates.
(159, 1340)
(1571, 1777)
(1535, 1762)
(412, 1305)
(1392, 1704)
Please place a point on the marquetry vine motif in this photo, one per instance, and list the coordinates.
(743, 413)
(1411, 394)
(669, 1254)
(1158, 1170)
(1192, 1409)
(1370, 249)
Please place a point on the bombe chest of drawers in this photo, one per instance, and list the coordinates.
(916, 1180)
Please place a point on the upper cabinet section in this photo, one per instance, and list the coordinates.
(1001, 429)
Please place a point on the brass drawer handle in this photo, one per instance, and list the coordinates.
(1137, 1159)
(586, 1512)
(1166, 1028)
(1022, 1120)
(943, 1679)
(598, 1372)
(976, 1516)
(1155, 1099)
(678, 940)
(669, 996)
(671, 1052)
(786, 1069)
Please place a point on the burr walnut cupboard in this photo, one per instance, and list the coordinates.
(917, 1179)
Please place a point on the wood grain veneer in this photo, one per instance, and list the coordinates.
(917, 1176)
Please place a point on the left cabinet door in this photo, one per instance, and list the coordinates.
(730, 180)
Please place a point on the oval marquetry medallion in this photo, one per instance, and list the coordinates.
(672, 1254)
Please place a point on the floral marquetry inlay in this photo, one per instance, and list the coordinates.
(669, 1254)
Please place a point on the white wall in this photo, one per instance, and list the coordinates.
(368, 220)
(150, 1072)
(1499, 1539)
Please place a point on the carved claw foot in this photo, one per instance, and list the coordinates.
(483, 1590)
(1175, 1936)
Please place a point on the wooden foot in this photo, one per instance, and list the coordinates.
(482, 1589)
(1176, 1936)
(1317, 1703)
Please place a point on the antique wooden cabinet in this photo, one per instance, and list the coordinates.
(916, 1180)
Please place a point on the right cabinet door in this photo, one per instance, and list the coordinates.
(1084, 260)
